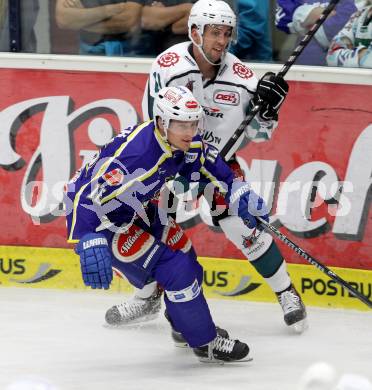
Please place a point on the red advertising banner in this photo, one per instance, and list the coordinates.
(315, 172)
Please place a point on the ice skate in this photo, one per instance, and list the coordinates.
(135, 310)
(223, 350)
(180, 342)
(293, 308)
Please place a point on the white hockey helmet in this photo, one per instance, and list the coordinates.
(176, 103)
(205, 12)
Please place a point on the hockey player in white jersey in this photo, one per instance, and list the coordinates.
(227, 89)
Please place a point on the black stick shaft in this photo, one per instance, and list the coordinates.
(292, 58)
(315, 262)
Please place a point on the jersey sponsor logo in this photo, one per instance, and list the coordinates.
(210, 138)
(242, 71)
(114, 177)
(132, 244)
(211, 153)
(151, 255)
(191, 104)
(226, 97)
(214, 112)
(190, 157)
(190, 61)
(168, 59)
(174, 237)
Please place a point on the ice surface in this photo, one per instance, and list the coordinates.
(60, 337)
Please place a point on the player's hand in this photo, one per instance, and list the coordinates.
(245, 203)
(271, 92)
(95, 260)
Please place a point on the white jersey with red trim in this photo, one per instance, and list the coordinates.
(224, 99)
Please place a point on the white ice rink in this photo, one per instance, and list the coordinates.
(58, 336)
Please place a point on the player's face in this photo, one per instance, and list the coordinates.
(216, 38)
(180, 134)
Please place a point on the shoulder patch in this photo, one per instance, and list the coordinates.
(242, 71)
(114, 177)
(168, 59)
(190, 157)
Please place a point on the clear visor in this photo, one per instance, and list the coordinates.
(222, 30)
(184, 127)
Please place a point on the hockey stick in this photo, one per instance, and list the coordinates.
(314, 262)
(292, 58)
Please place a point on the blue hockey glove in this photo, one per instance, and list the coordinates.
(95, 260)
(245, 203)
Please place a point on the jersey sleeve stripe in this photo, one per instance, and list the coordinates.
(212, 179)
(196, 144)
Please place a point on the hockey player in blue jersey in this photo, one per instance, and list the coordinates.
(115, 216)
(226, 88)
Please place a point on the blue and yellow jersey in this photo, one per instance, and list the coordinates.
(128, 172)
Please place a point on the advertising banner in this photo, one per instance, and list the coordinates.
(315, 173)
(223, 279)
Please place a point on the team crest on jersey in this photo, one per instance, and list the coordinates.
(168, 59)
(132, 244)
(114, 177)
(242, 71)
(226, 97)
(190, 157)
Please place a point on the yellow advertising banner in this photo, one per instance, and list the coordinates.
(223, 278)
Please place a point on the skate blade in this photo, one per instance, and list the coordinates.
(222, 362)
(181, 345)
(137, 321)
(300, 326)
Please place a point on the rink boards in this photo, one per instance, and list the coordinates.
(55, 268)
(57, 110)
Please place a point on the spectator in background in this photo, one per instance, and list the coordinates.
(352, 46)
(297, 17)
(254, 34)
(113, 27)
(167, 21)
(107, 27)
(29, 10)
